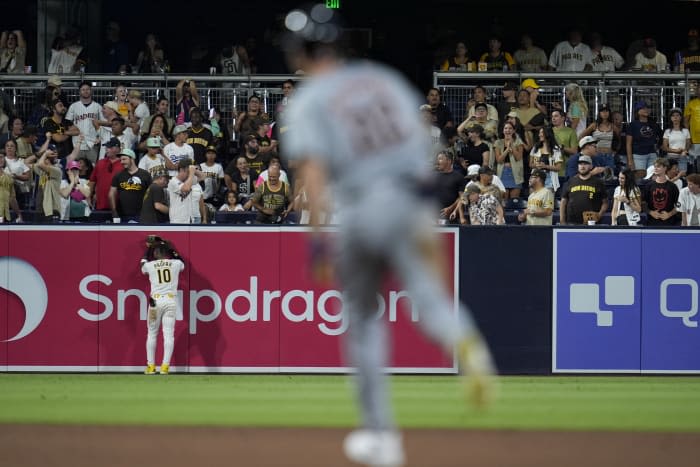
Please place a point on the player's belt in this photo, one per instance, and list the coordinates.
(165, 295)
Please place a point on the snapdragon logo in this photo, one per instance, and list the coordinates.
(585, 298)
(29, 286)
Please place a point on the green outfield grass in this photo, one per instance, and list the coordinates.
(655, 403)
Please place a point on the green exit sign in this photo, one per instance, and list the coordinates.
(334, 4)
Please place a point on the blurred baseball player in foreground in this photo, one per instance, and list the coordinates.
(163, 265)
(356, 128)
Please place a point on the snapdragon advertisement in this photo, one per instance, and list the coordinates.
(74, 299)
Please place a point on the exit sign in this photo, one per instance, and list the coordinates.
(334, 4)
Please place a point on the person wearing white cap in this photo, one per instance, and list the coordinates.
(128, 188)
(153, 161)
(178, 149)
(587, 147)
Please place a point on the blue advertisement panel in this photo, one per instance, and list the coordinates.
(670, 278)
(596, 302)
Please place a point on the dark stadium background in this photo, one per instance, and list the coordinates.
(404, 34)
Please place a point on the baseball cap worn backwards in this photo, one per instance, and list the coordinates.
(127, 152)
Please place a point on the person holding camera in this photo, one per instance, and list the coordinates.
(186, 98)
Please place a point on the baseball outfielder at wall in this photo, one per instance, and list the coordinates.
(356, 128)
(163, 265)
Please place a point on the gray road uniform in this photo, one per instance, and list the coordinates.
(362, 121)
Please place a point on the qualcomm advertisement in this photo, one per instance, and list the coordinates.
(626, 301)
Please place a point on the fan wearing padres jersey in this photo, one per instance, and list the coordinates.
(366, 126)
(162, 264)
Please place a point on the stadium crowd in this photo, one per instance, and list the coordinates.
(513, 159)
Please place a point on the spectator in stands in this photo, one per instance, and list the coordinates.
(588, 147)
(151, 59)
(571, 54)
(530, 58)
(525, 136)
(101, 177)
(643, 136)
(566, 139)
(231, 204)
(128, 188)
(178, 150)
(8, 197)
(162, 108)
(153, 161)
(75, 194)
(159, 128)
(179, 193)
(540, 202)
(186, 98)
(495, 58)
(509, 103)
(123, 133)
(546, 155)
(13, 52)
(83, 113)
(627, 200)
(273, 199)
(116, 51)
(110, 111)
(448, 184)
(676, 140)
(288, 87)
(67, 53)
(213, 178)
(604, 58)
(155, 202)
(489, 127)
(482, 208)
(251, 150)
(479, 97)
(603, 131)
(26, 144)
(16, 128)
(487, 181)
(138, 109)
(240, 179)
(650, 59)
(691, 118)
(86, 168)
(661, 196)
(233, 60)
(584, 198)
(20, 172)
(44, 109)
(460, 60)
(688, 59)
(433, 130)
(199, 137)
(530, 111)
(578, 108)
(509, 151)
(442, 115)
(268, 146)
(48, 195)
(476, 151)
(274, 160)
(60, 130)
(246, 120)
(689, 201)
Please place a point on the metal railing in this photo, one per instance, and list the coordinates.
(661, 91)
(224, 93)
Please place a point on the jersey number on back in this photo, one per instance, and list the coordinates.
(164, 276)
